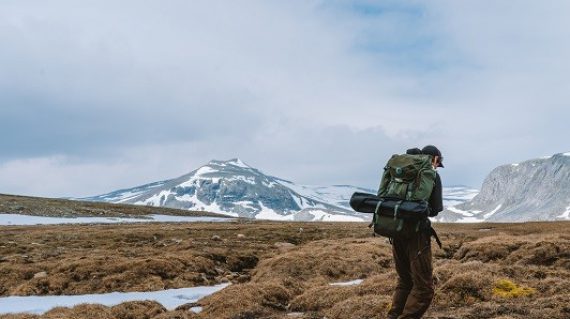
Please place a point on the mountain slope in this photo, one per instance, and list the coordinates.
(533, 190)
(237, 189)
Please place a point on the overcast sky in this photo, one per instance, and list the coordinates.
(101, 95)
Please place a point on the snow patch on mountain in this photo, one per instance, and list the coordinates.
(455, 195)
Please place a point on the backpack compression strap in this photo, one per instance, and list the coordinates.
(375, 212)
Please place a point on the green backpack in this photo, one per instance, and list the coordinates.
(406, 178)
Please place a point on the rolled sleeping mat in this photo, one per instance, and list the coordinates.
(366, 203)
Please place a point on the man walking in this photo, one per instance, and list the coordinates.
(412, 256)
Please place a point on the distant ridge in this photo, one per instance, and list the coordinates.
(534, 190)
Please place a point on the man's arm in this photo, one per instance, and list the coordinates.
(436, 198)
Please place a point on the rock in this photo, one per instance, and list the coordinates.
(240, 236)
(216, 238)
(42, 274)
(232, 276)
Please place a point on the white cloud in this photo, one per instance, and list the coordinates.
(296, 87)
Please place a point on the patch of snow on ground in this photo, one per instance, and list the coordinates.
(491, 213)
(319, 215)
(470, 220)
(348, 283)
(196, 309)
(170, 299)
(515, 165)
(566, 154)
(28, 220)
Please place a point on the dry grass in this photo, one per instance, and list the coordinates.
(272, 280)
(55, 207)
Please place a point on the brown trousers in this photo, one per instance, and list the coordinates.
(415, 288)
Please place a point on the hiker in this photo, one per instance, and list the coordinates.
(413, 258)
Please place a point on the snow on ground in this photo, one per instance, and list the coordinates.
(170, 299)
(348, 283)
(322, 216)
(566, 154)
(27, 220)
(470, 220)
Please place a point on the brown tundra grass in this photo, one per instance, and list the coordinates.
(284, 270)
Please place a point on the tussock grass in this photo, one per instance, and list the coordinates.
(255, 300)
(276, 281)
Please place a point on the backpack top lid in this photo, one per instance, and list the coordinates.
(414, 151)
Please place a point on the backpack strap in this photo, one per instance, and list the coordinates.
(434, 234)
(396, 208)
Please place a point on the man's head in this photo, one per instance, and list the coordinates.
(434, 151)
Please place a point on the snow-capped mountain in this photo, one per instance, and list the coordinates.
(533, 190)
(237, 189)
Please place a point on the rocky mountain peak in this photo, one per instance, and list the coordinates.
(536, 189)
